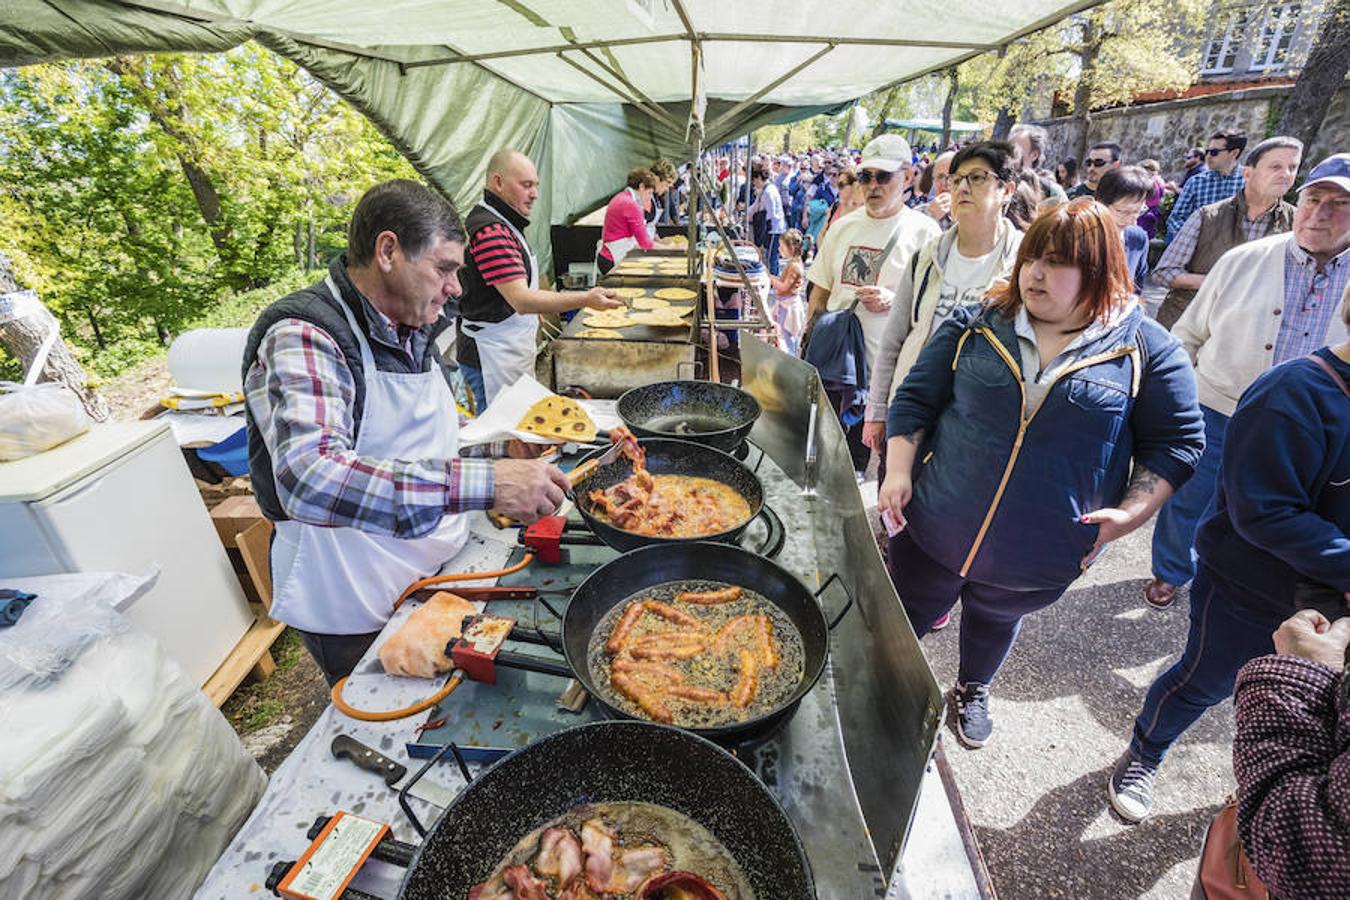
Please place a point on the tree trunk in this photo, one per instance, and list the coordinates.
(886, 106)
(1005, 119)
(164, 104)
(22, 338)
(1087, 53)
(849, 118)
(1322, 76)
(787, 137)
(952, 84)
(93, 325)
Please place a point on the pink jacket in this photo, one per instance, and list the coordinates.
(624, 219)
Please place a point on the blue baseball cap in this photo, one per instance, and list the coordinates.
(1335, 169)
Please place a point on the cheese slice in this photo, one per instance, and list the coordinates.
(558, 417)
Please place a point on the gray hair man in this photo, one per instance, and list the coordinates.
(353, 432)
(862, 258)
(1211, 231)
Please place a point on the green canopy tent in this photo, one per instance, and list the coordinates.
(586, 89)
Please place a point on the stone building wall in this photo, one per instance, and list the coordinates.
(1163, 131)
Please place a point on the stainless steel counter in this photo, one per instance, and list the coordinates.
(850, 768)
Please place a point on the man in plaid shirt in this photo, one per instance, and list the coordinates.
(353, 429)
(1221, 179)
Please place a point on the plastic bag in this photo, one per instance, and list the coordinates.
(36, 417)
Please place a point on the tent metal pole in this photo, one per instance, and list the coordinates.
(632, 101)
(695, 134)
(552, 48)
(721, 37)
(623, 79)
(687, 22)
(728, 116)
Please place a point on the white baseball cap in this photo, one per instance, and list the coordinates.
(1335, 169)
(886, 152)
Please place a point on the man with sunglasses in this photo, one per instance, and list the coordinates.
(1101, 158)
(1221, 179)
(862, 258)
(1192, 163)
(1264, 302)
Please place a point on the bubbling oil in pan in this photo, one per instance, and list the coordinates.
(691, 847)
(706, 670)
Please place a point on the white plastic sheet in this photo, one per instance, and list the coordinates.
(118, 778)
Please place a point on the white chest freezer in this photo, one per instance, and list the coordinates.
(120, 499)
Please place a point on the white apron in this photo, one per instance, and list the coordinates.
(344, 580)
(619, 249)
(506, 349)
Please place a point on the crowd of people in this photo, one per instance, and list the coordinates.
(1031, 352)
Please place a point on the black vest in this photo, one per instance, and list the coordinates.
(480, 301)
(315, 305)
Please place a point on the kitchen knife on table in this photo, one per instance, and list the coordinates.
(394, 774)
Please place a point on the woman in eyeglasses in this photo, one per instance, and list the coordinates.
(1030, 432)
(954, 268)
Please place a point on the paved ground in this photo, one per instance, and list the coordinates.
(1063, 707)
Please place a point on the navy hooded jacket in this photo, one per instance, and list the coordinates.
(998, 499)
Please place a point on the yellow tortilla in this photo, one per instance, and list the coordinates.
(681, 310)
(628, 291)
(558, 417)
(601, 333)
(594, 317)
(650, 303)
(659, 319)
(676, 293)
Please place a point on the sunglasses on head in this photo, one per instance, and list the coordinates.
(1094, 163)
(867, 176)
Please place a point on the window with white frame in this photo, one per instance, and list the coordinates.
(1277, 33)
(1224, 43)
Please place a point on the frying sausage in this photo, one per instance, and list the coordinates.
(660, 638)
(671, 614)
(767, 648)
(696, 694)
(648, 701)
(724, 634)
(619, 636)
(749, 681)
(685, 650)
(709, 598)
(655, 670)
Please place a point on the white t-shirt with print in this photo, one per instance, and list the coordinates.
(964, 280)
(850, 257)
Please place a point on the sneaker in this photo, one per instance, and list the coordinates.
(941, 623)
(1131, 789)
(971, 704)
(1159, 594)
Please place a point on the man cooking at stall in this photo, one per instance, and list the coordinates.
(502, 299)
(353, 431)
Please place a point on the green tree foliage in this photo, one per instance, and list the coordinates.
(139, 193)
(1103, 57)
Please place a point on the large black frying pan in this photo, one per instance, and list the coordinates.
(704, 412)
(610, 762)
(666, 456)
(639, 570)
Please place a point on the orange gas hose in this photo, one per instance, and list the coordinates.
(449, 687)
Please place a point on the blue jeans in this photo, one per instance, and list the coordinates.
(1222, 638)
(474, 378)
(772, 257)
(1174, 532)
(990, 616)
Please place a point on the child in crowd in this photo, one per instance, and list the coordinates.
(788, 310)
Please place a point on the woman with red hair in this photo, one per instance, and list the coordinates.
(1032, 430)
